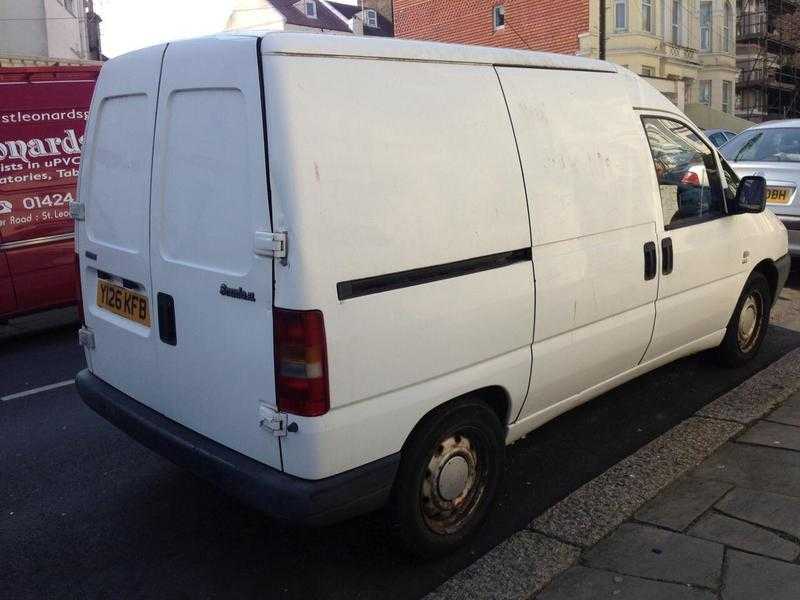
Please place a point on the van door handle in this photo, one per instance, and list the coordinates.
(666, 256)
(166, 319)
(649, 261)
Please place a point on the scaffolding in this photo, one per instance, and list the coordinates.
(768, 57)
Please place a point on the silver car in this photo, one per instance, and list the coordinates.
(772, 150)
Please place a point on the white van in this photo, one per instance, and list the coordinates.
(329, 273)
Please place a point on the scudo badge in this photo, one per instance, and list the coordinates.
(238, 293)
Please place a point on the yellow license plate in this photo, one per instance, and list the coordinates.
(779, 195)
(123, 302)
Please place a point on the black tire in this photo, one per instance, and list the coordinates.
(469, 432)
(738, 347)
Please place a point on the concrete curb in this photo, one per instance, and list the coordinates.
(522, 565)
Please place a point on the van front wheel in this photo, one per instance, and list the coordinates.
(748, 324)
(448, 476)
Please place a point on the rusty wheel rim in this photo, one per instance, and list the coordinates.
(750, 318)
(454, 482)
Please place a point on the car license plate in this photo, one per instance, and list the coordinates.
(779, 195)
(123, 302)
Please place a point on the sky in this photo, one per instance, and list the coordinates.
(131, 24)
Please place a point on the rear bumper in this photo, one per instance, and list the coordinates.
(280, 495)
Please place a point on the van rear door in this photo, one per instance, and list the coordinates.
(113, 241)
(213, 293)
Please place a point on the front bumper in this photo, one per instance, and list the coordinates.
(792, 225)
(278, 494)
(783, 265)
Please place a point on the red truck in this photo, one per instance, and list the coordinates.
(43, 112)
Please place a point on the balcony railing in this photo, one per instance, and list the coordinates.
(678, 51)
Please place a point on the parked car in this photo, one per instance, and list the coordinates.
(772, 150)
(43, 113)
(324, 315)
(719, 136)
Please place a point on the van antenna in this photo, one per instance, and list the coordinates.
(522, 39)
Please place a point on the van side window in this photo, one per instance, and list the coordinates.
(688, 179)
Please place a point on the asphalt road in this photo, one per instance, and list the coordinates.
(87, 513)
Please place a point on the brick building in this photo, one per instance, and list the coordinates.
(537, 25)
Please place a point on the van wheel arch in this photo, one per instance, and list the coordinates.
(768, 269)
(494, 396)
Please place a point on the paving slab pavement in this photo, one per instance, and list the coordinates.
(658, 554)
(744, 536)
(772, 511)
(751, 577)
(682, 503)
(582, 583)
(730, 527)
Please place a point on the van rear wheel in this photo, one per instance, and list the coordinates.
(448, 476)
(748, 324)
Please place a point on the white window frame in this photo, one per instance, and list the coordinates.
(705, 85)
(648, 71)
(707, 27)
(371, 18)
(647, 9)
(498, 11)
(727, 96)
(623, 4)
(727, 27)
(310, 4)
(676, 23)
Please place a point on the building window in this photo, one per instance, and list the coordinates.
(647, 16)
(705, 26)
(727, 27)
(705, 92)
(726, 96)
(648, 72)
(620, 15)
(676, 22)
(499, 15)
(372, 18)
(311, 10)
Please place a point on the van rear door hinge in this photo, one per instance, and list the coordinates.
(268, 243)
(273, 421)
(77, 210)
(86, 338)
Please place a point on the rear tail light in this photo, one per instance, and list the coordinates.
(691, 178)
(301, 362)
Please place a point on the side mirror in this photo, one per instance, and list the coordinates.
(751, 197)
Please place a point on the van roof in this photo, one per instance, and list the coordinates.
(392, 48)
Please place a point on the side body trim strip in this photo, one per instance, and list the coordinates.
(402, 279)
(37, 241)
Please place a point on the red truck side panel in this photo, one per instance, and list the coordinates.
(43, 112)
(8, 302)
